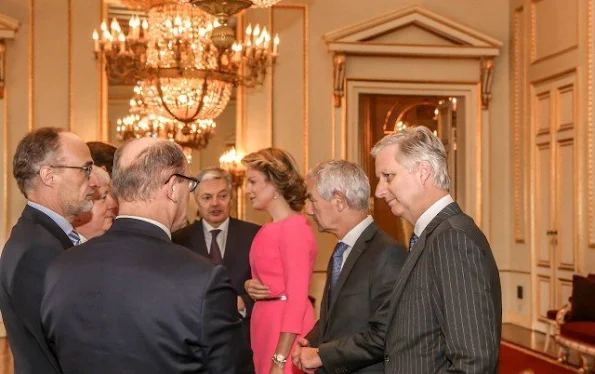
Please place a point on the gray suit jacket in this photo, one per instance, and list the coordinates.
(446, 309)
(351, 330)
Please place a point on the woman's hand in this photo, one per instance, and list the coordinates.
(256, 290)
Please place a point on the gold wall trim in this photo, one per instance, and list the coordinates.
(353, 79)
(590, 155)
(104, 131)
(31, 71)
(514, 271)
(272, 83)
(552, 55)
(305, 53)
(70, 70)
(517, 129)
(7, 164)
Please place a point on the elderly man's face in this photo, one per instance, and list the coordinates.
(321, 211)
(213, 197)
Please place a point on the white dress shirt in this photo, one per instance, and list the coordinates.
(431, 213)
(221, 238)
(351, 237)
(151, 221)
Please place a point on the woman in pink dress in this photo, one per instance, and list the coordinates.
(282, 259)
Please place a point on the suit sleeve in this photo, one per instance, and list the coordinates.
(314, 335)
(27, 289)
(297, 247)
(357, 351)
(464, 306)
(222, 340)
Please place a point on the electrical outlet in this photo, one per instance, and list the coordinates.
(519, 292)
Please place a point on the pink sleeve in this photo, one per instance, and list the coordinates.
(297, 249)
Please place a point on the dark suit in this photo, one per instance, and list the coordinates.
(34, 242)
(237, 253)
(351, 329)
(131, 301)
(446, 309)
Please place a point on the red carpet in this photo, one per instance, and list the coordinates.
(515, 360)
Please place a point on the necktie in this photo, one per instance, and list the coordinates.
(215, 251)
(337, 260)
(74, 237)
(412, 241)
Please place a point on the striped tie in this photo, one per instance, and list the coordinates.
(74, 237)
(412, 241)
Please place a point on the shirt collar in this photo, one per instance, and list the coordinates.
(351, 237)
(223, 226)
(431, 213)
(148, 220)
(60, 221)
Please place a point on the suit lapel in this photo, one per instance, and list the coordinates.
(49, 224)
(230, 243)
(418, 249)
(198, 239)
(356, 251)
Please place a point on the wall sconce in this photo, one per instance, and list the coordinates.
(231, 161)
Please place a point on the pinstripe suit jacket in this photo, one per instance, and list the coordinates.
(446, 308)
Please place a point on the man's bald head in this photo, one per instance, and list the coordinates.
(143, 165)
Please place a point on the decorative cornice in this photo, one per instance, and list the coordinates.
(8, 26)
(465, 41)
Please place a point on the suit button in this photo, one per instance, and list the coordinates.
(386, 358)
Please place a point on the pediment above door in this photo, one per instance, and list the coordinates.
(412, 31)
(8, 26)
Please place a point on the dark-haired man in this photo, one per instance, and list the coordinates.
(52, 168)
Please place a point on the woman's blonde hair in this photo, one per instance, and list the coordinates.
(280, 169)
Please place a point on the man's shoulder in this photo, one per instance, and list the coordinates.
(28, 236)
(245, 225)
(185, 232)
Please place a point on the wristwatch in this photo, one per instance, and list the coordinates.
(279, 359)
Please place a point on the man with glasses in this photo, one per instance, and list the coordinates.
(52, 168)
(131, 301)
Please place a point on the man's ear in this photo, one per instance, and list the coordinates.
(46, 174)
(339, 201)
(425, 172)
(170, 189)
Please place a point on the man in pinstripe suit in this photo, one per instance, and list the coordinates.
(445, 312)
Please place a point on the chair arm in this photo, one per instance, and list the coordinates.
(561, 317)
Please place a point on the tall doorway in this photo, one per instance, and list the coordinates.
(381, 114)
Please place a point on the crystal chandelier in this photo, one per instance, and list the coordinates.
(192, 56)
(145, 119)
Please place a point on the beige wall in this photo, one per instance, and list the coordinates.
(309, 136)
(52, 79)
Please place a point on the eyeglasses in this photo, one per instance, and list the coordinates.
(192, 182)
(87, 168)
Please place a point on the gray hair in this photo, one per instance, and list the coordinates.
(344, 177)
(214, 173)
(35, 150)
(102, 175)
(415, 145)
(149, 170)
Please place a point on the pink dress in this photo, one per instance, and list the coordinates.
(282, 257)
